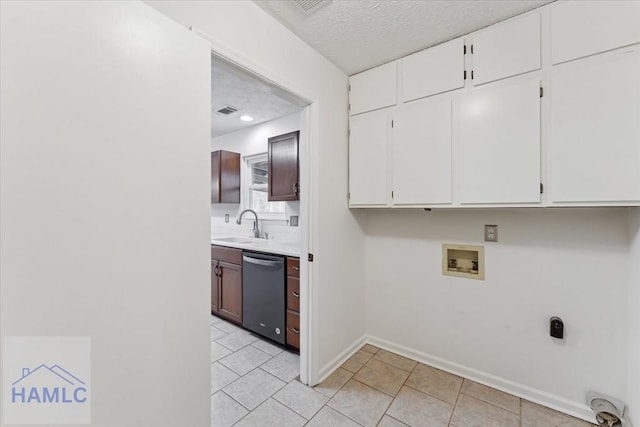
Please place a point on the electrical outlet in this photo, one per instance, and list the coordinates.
(490, 233)
(226, 218)
(293, 220)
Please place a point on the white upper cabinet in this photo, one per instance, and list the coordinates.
(368, 152)
(422, 153)
(506, 49)
(431, 71)
(581, 28)
(373, 89)
(499, 146)
(594, 145)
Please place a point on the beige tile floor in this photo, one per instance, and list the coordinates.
(254, 383)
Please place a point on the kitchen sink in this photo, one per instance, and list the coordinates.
(235, 239)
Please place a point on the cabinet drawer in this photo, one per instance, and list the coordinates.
(293, 267)
(230, 255)
(293, 329)
(293, 293)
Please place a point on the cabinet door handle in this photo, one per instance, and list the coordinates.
(215, 270)
(296, 331)
(295, 189)
(294, 268)
(296, 294)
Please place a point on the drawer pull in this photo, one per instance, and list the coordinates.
(295, 268)
(296, 294)
(296, 331)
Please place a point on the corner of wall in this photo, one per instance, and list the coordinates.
(633, 386)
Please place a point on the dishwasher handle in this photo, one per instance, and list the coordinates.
(263, 262)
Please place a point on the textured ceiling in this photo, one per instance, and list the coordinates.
(251, 96)
(360, 34)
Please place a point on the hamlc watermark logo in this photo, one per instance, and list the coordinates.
(46, 380)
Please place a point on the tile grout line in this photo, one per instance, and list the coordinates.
(493, 404)
(242, 376)
(455, 405)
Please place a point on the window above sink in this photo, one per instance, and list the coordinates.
(256, 189)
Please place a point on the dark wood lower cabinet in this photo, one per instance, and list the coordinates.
(293, 303)
(230, 291)
(226, 283)
(293, 329)
(214, 286)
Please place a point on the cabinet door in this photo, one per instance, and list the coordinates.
(214, 286)
(215, 177)
(594, 145)
(422, 153)
(225, 177)
(581, 28)
(431, 71)
(507, 49)
(230, 291)
(229, 177)
(283, 167)
(499, 146)
(373, 89)
(368, 159)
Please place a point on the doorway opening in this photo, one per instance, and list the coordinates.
(259, 217)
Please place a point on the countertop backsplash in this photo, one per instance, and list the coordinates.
(278, 229)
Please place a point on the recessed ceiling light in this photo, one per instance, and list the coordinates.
(246, 118)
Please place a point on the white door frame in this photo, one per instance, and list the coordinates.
(309, 129)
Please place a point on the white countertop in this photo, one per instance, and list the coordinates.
(272, 246)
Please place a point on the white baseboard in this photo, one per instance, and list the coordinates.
(335, 363)
(575, 409)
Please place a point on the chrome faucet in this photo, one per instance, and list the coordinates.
(256, 230)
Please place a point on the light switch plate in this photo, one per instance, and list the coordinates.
(226, 218)
(293, 220)
(490, 233)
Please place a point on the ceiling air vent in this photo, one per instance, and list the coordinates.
(226, 110)
(310, 6)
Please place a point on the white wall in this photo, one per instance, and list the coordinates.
(247, 34)
(105, 194)
(247, 142)
(571, 263)
(633, 395)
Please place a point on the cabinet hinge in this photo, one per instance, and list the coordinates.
(541, 188)
(310, 258)
(471, 49)
(472, 73)
(349, 132)
(392, 194)
(349, 107)
(391, 123)
(349, 88)
(465, 74)
(541, 92)
(464, 49)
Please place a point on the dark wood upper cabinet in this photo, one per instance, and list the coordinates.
(283, 167)
(225, 177)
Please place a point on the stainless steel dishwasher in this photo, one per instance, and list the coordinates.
(263, 295)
